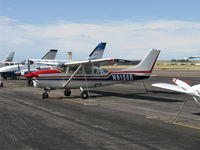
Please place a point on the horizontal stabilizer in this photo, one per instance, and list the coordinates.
(171, 87)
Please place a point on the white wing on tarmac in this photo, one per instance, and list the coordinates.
(171, 87)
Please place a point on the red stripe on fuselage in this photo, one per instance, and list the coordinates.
(89, 76)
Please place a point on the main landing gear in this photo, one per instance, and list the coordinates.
(67, 92)
(84, 93)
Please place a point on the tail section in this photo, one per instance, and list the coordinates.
(182, 84)
(97, 53)
(147, 64)
(51, 54)
(9, 57)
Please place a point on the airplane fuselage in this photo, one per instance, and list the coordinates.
(57, 80)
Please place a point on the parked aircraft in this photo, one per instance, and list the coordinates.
(14, 70)
(86, 74)
(8, 60)
(97, 53)
(182, 87)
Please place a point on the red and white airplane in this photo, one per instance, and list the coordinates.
(182, 87)
(85, 74)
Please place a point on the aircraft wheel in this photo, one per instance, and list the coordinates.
(45, 95)
(1, 84)
(30, 81)
(67, 92)
(84, 95)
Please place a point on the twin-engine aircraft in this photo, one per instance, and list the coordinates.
(87, 74)
(182, 87)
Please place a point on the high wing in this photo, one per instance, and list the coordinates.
(90, 62)
(171, 87)
(103, 61)
(48, 63)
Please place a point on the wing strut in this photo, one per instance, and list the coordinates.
(65, 85)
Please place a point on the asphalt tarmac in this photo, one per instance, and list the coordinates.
(118, 117)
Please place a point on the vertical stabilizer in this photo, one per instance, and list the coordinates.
(97, 53)
(9, 57)
(147, 64)
(51, 54)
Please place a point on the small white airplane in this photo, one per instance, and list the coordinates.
(8, 60)
(182, 87)
(85, 74)
(14, 70)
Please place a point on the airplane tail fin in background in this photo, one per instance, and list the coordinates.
(51, 54)
(9, 57)
(97, 53)
(147, 64)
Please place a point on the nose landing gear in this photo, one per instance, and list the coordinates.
(46, 93)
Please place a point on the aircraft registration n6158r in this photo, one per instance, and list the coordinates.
(87, 74)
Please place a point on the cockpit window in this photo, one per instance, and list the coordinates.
(87, 70)
(84, 70)
(97, 71)
(73, 69)
(105, 71)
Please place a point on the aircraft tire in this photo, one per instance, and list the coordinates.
(30, 82)
(67, 92)
(84, 95)
(45, 95)
(1, 84)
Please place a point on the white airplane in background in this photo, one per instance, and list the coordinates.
(85, 74)
(9, 57)
(14, 70)
(8, 60)
(97, 53)
(181, 87)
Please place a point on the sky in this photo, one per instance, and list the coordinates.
(130, 27)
